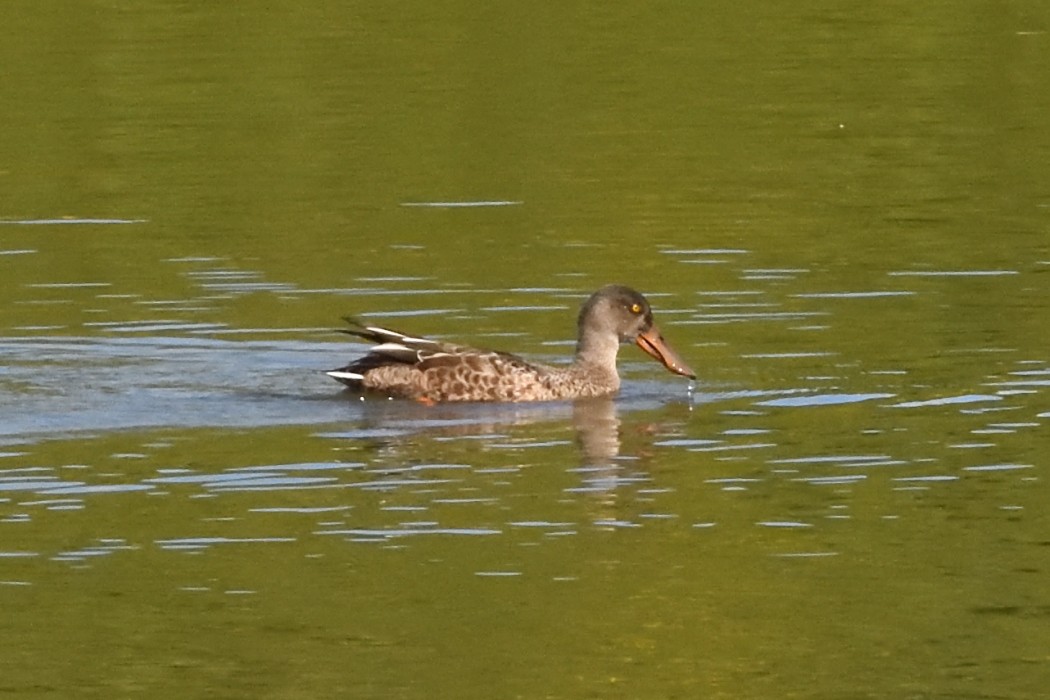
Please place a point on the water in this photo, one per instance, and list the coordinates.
(840, 221)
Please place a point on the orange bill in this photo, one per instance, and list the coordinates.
(653, 343)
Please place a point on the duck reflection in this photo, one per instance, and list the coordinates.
(401, 433)
(597, 426)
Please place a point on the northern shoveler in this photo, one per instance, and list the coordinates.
(406, 366)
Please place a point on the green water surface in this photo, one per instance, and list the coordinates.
(840, 213)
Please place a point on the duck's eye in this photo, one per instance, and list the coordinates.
(636, 308)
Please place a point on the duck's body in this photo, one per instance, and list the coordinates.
(427, 370)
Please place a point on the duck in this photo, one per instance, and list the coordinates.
(432, 371)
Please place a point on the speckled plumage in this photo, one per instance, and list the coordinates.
(405, 366)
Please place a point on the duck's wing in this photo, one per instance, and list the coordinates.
(396, 348)
(406, 365)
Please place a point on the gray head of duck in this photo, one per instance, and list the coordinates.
(619, 310)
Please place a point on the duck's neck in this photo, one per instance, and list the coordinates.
(597, 350)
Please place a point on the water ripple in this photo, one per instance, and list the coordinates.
(822, 400)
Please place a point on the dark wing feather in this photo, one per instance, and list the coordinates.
(392, 347)
(378, 334)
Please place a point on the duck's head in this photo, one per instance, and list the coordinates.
(623, 312)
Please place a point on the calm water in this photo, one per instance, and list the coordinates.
(840, 216)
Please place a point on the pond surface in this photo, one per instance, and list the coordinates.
(841, 219)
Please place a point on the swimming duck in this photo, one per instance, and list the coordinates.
(431, 371)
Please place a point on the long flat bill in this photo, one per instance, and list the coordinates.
(653, 343)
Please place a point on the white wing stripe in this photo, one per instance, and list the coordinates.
(392, 349)
(378, 330)
(340, 374)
